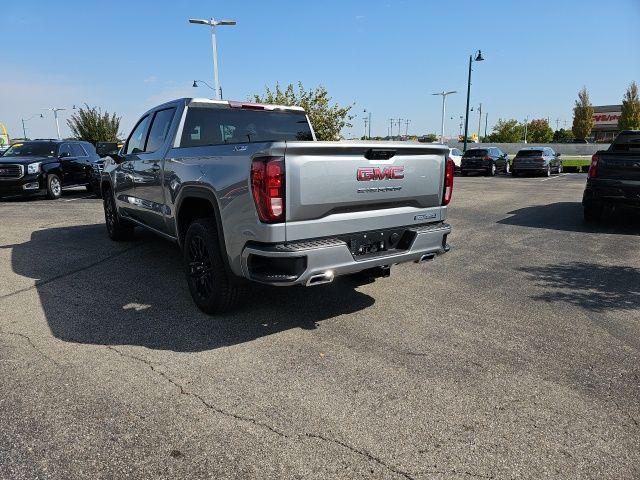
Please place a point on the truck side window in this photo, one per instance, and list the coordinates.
(159, 129)
(136, 141)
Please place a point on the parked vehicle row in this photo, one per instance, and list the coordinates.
(490, 161)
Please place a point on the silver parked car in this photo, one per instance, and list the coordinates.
(537, 160)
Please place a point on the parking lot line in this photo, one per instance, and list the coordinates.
(79, 198)
(557, 176)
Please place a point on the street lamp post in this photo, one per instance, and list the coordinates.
(466, 119)
(367, 122)
(55, 115)
(213, 23)
(196, 82)
(444, 98)
(479, 121)
(24, 130)
(526, 122)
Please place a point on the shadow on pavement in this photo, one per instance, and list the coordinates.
(594, 287)
(568, 216)
(95, 291)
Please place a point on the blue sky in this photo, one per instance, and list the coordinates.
(386, 56)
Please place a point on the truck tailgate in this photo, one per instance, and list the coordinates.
(327, 178)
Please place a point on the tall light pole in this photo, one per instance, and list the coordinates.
(368, 122)
(486, 120)
(213, 23)
(406, 131)
(479, 120)
(466, 120)
(24, 130)
(444, 98)
(526, 123)
(55, 115)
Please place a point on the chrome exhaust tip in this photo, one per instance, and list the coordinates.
(320, 278)
(426, 257)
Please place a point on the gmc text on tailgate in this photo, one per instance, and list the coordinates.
(248, 194)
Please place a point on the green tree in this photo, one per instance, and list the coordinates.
(582, 115)
(630, 117)
(90, 124)
(539, 131)
(506, 131)
(328, 119)
(562, 136)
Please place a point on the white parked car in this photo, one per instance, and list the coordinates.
(456, 156)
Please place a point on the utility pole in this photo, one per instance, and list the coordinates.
(390, 127)
(399, 126)
(365, 126)
(406, 130)
(557, 124)
(526, 124)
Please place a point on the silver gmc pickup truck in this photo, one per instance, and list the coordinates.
(249, 194)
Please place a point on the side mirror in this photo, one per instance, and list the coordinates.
(118, 158)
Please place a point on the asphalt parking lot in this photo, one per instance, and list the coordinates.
(516, 355)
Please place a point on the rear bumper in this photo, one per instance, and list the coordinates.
(330, 257)
(610, 191)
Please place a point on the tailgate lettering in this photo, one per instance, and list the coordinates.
(366, 174)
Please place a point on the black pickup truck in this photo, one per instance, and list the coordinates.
(614, 178)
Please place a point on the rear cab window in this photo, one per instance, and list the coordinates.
(475, 152)
(626, 142)
(215, 125)
(530, 153)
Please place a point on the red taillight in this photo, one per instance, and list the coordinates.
(593, 168)
(449, 170)
(267, 185)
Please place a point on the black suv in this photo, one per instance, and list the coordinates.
(489, 160)
(45, 167)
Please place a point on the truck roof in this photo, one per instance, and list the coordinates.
(240, 104)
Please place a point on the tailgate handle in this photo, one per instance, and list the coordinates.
(379, 154)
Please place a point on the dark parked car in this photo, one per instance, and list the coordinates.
(538, 160)
(614, 177)
(45, 167)
(484, 160)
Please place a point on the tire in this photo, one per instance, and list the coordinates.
(560, 169)
(118, 229)
(54, 187)
(492, 171)
(514, 173)
(507, 168)
(592, 213)
(212, 288)
(548, 172)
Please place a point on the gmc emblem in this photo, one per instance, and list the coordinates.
(366, 174)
